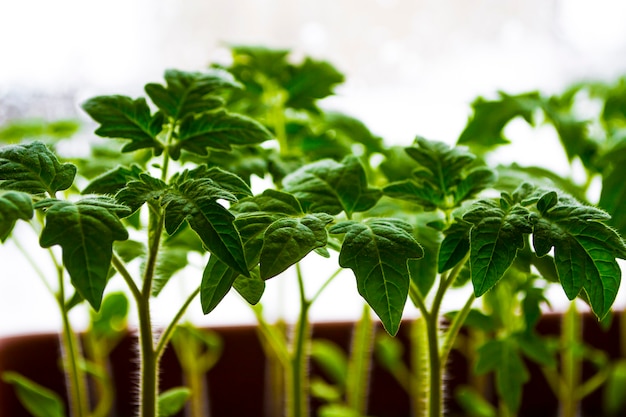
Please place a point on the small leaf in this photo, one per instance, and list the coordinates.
(476, 320)
(113, 181)
(250, 288)
(423, 194)
(224, 179)
(14, 206)
(171, 260)
(190, 92)
(217, 280)
(536, 348)
(290, 239)
(34, 169)
(219, 130)
(476, 181)
(173, 400)
(485, 127)
(85, 230)
(495, 238)
(377, 251)
(310, 81)
(112, 317)
(123, 117)
(614, 399)
(331, 187)
(145, 189)
(502, 357)
(455, 245)
(473, 404)
(38, 400)
(196, 202)
(331, 359)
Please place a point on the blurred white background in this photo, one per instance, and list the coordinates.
(412, 67)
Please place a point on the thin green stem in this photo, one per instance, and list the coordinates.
(362, 346)
(297, 404)
(420, 381)
(76, 377)
(323, 287)
(570, 363)
(169, 331)
(119, 266)
(455, 327)
(34, 264)
(418, 300)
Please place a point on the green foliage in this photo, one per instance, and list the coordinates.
(377, 251)
(38, 400)
(14, 206)
(86, 231)
(34, 169)
(172, 401)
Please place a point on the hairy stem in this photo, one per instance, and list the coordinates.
(571, 333)
(77, 386)
(360, 363)
(297, 401)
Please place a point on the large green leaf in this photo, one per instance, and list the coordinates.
(14, 206)
(502, 357)
(123, 117)
(613, 197)
(85, 230)
(217, 130)
(190, 92)
(38, 400)
(288, 240)
(496, 236)
(377, 251)
(196, 202)
(584, 249)
(33, 168)
(330, 187)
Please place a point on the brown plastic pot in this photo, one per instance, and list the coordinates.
(237, 384)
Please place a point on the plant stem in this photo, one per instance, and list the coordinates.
(421, 366)
(297, 404)
(571, 333)
(357, 383)
(75, 375)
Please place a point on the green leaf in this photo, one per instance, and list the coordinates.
(455, 245)
(250, 288)
(218, 130)
(112, 317)
(475, 181)
(288, 240)
(423, 194)
(536, 348)
(614, 399)
(613, 197)
(113, 181)
(495, 238)
(424, 270)
(473, 404)
(584, 251)
(171, 260)
(173, 400)
(38, 401)
(310, 81)
(196, 202)
(14, 206)
(123, 117)
(331, 359)
(85, 230)
(331, 187)
(19, 130)
(224, 179)
(145, 189)
(217, 280)
(34, 169)
(476, 320)
(190, 92)
(502, 357)
(485, 127)
(377, 251)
